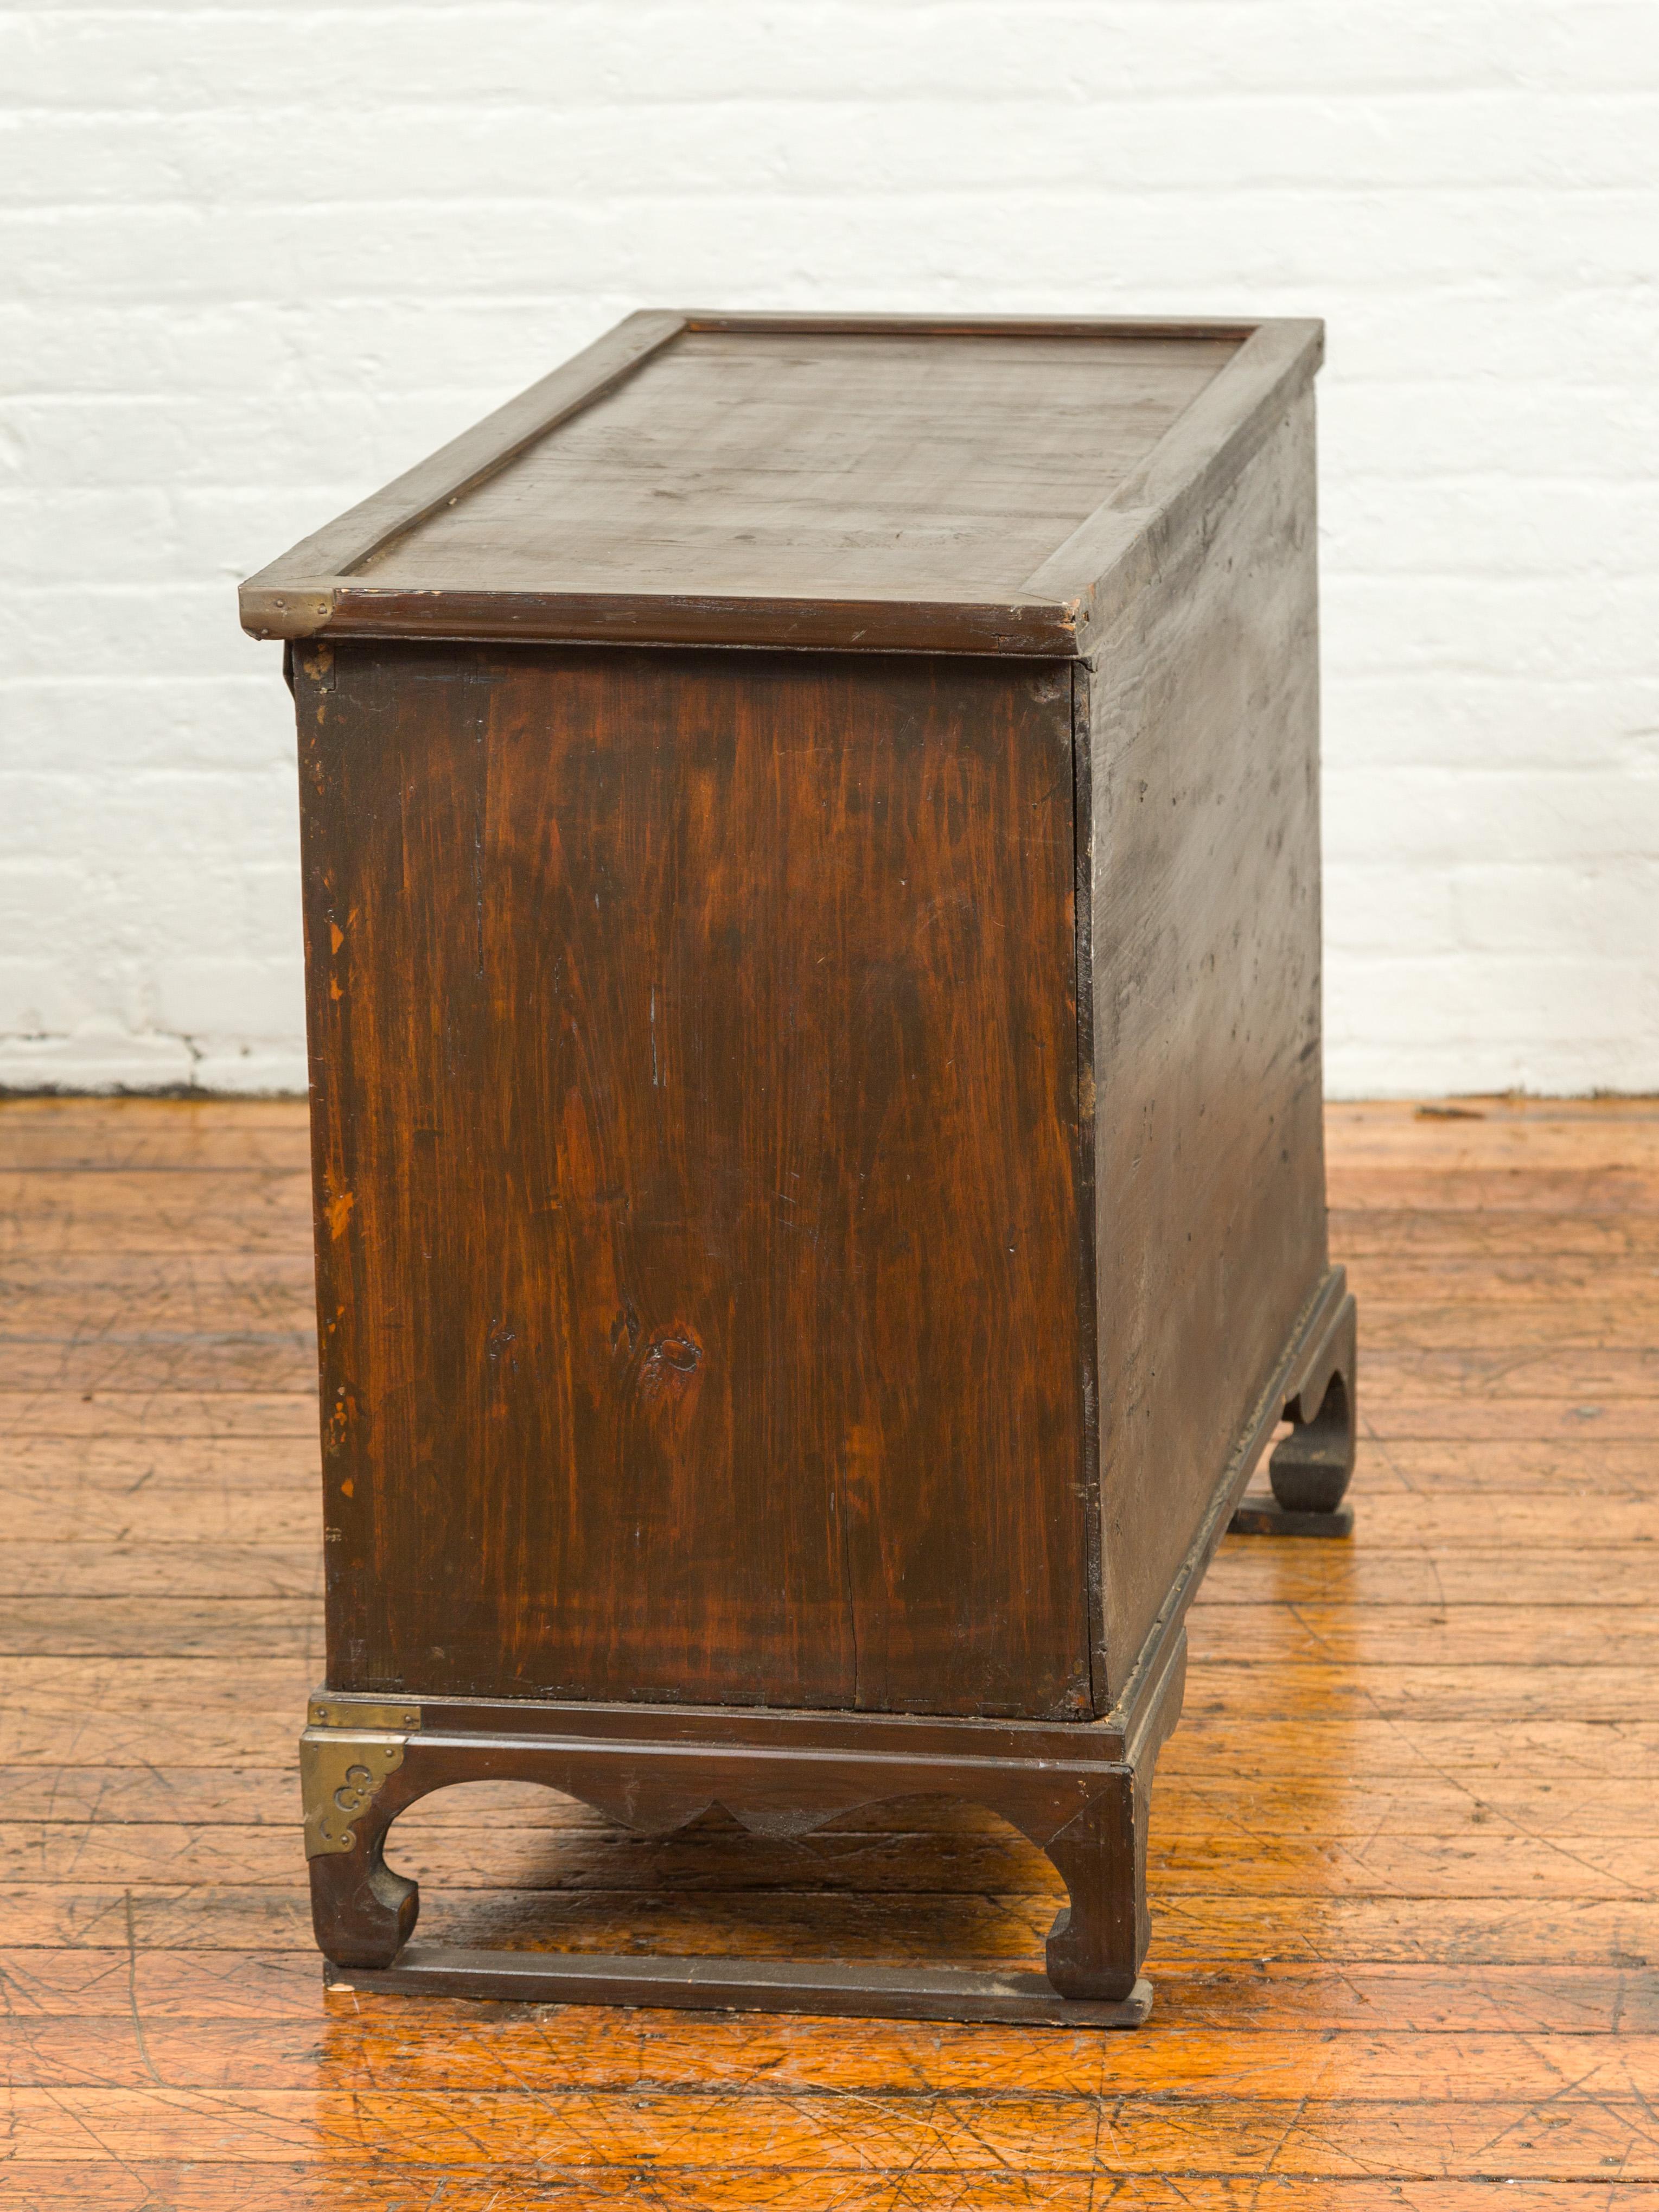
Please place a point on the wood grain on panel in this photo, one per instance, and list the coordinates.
(1202, 737)
(811, 466)
(693, 1053)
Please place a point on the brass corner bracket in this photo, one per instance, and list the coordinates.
(345, 1754)
(357, 1713)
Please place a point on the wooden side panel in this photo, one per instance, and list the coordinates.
(1201, 725)
(696, 1116)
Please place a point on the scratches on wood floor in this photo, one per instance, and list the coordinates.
(1406, 1886)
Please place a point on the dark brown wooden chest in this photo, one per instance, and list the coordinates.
(811, 884)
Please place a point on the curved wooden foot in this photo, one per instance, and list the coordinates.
(1099, 1938)
(1309, 1471)
(362, 1913)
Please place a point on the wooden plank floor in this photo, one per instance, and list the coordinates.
(1406, 1877)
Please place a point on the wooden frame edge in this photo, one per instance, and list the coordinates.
(756, 1731)
(302, 592)
(827, 1988)
(1036, 629)
(1055, 615)
(1203, 449)
(955, 326)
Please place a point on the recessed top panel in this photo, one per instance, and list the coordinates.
(860, 484)
(815, 465)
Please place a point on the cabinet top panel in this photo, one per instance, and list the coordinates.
(874, 483)
(816, 465)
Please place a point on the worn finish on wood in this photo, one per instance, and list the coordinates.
(1402, 1867)
(694, 1078)
(749, 1271)
(871, 484)
(1209, 1169)
(1081, 1795)
(822, 1987)
(806, 466)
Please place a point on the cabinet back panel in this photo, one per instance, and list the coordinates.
(695, 1110)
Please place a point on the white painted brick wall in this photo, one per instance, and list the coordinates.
(261, 258)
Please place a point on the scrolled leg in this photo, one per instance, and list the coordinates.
(1310, 1470)
(362, 1913)
(1099, 1938)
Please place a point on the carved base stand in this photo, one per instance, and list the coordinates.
(1079, 1791)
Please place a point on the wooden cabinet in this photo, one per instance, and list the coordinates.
(811, 887)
